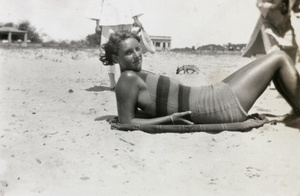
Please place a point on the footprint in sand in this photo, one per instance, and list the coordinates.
(253, 172)
(213, 181)
(84, 178)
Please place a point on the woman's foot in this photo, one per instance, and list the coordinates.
(294, 114)
(293, 119)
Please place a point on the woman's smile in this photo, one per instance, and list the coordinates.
(137, 61)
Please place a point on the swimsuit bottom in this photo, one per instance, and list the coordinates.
(215, 104)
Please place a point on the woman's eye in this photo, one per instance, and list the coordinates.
(138, 49)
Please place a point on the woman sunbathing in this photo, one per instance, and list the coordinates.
(147, 98)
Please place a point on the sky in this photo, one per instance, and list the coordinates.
(188, 22)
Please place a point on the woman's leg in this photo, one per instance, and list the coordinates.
(249, 82)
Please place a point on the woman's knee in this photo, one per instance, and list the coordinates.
(281, 56)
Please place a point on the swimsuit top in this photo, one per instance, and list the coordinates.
(167, 96)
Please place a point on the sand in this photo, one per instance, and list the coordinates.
(51, 143)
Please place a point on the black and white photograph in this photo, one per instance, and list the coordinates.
(149, 97)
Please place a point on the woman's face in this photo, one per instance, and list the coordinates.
(130, 55)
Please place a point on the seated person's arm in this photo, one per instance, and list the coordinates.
(98, 28)
(137, 22)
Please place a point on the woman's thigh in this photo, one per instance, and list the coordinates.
(249, 82)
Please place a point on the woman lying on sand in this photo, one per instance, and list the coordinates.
(147, 98)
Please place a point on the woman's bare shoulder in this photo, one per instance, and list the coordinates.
(128, 79)
(128, 76)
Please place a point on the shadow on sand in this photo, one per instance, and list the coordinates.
(108, 118)
(99, 89)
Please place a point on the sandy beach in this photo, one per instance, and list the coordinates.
(53, 141)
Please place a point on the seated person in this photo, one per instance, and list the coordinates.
(146, 98)
(274, 30)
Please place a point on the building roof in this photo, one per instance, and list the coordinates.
(165, 38)
(11, 29)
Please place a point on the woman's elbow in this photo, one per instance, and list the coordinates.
(124, 120)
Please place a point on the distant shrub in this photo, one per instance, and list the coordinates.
(183, 50)
(32, 35)
(9, 24)
(93, 40)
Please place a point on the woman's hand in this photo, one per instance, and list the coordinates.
(177, 118)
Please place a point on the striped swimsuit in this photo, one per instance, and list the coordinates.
(209, 104)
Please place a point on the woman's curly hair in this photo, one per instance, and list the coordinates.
(113, 46)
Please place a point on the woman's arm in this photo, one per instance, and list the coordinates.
(127, 93)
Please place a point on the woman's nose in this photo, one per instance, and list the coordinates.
(136, 53)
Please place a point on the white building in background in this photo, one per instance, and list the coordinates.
(161, 42)
(6, 34)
